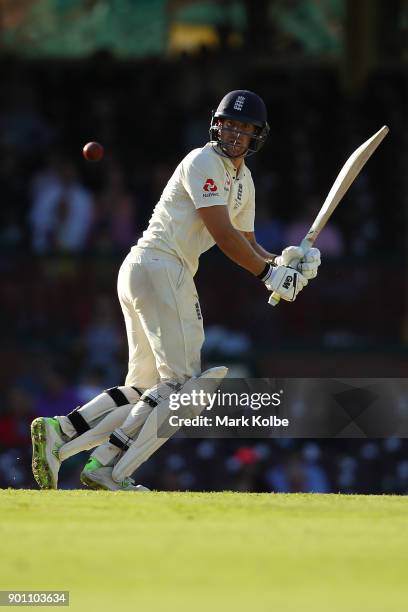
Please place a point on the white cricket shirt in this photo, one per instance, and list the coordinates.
(203, 178)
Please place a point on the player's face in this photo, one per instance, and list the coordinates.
(236, 136)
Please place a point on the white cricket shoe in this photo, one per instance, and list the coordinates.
(96, 476)
(46, 436)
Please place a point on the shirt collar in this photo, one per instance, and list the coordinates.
(229, 165)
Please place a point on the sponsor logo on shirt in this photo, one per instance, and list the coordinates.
(198, 311)
(238, 199)
(210, 185)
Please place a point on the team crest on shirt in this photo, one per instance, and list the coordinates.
(227, 184)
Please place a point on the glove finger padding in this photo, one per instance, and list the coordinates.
(309, 264)
(313, 255)
(287, 282)
(308, 270)
(288, 255)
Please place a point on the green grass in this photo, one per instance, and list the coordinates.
(209, 551)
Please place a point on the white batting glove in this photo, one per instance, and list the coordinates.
(288, 255)
(285, 281)
(308, 263)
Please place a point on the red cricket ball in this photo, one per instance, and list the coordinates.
(93, 151)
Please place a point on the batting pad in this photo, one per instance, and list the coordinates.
(149, 438)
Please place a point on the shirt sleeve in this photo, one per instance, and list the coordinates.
(203, 178)
(245, 219)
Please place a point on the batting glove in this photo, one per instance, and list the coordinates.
(308, 264)
(285, 281)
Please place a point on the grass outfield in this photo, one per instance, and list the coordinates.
(207, 551)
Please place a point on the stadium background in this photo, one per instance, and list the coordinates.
(142, 77)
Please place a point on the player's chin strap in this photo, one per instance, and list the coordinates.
(156, 429)
(216, 145)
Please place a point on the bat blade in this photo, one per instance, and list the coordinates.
(341, 185)
(344, 180)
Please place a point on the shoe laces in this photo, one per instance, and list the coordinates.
(128, 481)
(55, 451)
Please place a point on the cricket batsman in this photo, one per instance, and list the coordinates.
(210, 199)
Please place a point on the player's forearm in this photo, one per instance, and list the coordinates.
(237, 248)
(266, 256)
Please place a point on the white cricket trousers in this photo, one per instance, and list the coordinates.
(163, 318)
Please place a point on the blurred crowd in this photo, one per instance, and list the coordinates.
(149, 114)
(66, 224)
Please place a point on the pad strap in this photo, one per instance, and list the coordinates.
(78, 422)
(148, 399)
(118, 396)
(120, 440)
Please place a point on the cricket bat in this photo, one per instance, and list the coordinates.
(345, 178)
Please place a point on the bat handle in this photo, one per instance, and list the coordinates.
(274, 299)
